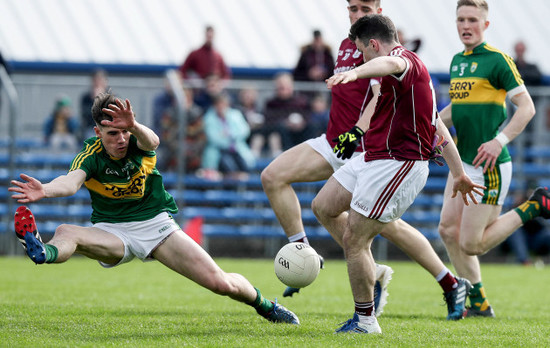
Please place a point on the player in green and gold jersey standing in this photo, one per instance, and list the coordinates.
(481, 79)
(131, 210)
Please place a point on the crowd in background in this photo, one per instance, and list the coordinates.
(240, 125)
(228, 131)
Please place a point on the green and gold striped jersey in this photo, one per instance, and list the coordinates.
(480, 80)
(123, 190)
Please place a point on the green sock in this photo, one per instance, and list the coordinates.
(51, 253)
(528, 210)
(262, 304)
(478, 300)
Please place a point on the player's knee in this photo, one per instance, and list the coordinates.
(267, 176)
(448, 233)
(471, 248)
(62, 231)
(317, 207)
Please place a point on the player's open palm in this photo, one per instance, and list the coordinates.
(30, 190)
(122, 114)
(467, 188)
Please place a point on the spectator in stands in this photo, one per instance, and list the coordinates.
(316, 62)
(61, 128)
(166, 125)
(227, 150)
(481, 77)
(213, 86)
(532, 237)
(530, 72)
(99, 84)
(205, 61)
(131, 211)
(248, 105)
(411, 45)
(320, 115)
(287, 116)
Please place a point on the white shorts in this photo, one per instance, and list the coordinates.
(140, 238)
(496, 181)
(322, 146)
(383, 189)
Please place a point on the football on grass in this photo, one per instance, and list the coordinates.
(297, 265)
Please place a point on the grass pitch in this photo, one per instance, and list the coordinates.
(80, 304)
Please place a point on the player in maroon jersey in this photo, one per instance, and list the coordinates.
(382, 184)
(316, 160)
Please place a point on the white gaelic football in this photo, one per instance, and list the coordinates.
(297, 265)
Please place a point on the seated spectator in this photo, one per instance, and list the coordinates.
(205, 61)
(320, 113)
(61, 128)
(248, 105)
(286, 116)
(316, 62)
(226, 151)
(99, 84)
(166, 125)
(213, 87)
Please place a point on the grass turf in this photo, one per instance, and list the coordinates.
(146, 305)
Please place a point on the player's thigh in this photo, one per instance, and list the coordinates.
(451, 212)
(300, 163)
(94, 242)
(332, 199)
(475, 219)
(182, 254)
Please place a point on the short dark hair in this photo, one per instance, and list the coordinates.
(375, 26)
(102, 101)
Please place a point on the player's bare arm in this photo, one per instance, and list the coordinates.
(124, 118)
(488, 152)
(31, 190)
(447, 116)
(364, 121)
(376, 67)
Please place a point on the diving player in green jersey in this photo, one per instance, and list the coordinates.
(131, 211)
(481, 79)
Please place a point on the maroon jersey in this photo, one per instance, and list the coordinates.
(404, 120)
(348, 100)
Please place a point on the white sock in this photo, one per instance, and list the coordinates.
(442, 274)
(299, 237)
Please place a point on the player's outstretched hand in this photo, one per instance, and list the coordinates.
(122, 114)
(467, 188)
(341, 78)
(488, 153)
(31, 190)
